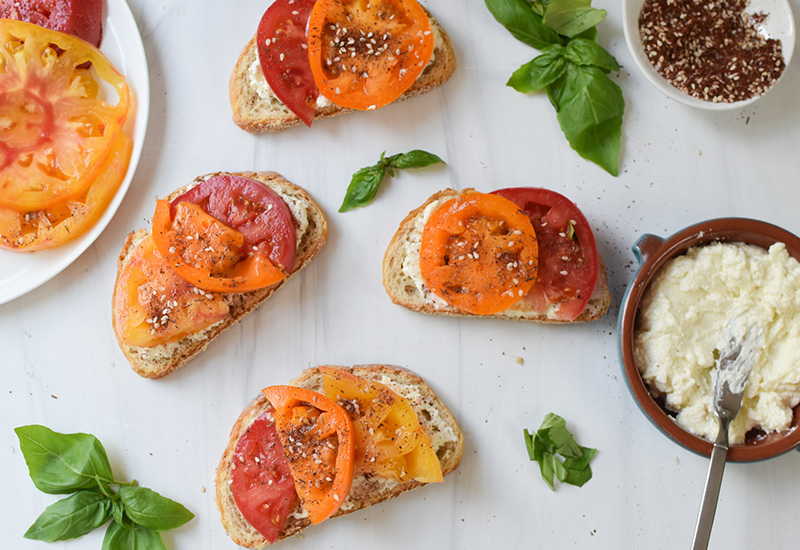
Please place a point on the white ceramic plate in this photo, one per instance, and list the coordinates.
(122, 44)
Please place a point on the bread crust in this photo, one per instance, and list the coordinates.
(254, 114)
(159, 361)
(364, 491)
(403, 291)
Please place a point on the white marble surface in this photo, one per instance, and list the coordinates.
(61, 365)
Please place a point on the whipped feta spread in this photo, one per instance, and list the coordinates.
(688, 316)
(410, 255)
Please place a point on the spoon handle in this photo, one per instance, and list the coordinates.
(708, 507)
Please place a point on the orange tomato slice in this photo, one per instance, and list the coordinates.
(390, 442)
(56, 132)
(207, 253)
(317, 439)
(479, 253)
(63, 222)
(365, 53)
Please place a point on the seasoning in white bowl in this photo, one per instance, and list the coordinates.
(713, 51)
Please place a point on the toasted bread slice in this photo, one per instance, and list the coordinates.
(263, 112)
(159, 361)
(406, 287)
(437, 421)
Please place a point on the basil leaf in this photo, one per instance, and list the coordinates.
(582, 51)
(363, 187)
(552, 440)
(136, 538)
(71, 517)
(572, 17)
(590, 108)
(578, 471)
(523, 22)
(118, 511)
(414, 159)
(541, 72)
(63, 463)
(149, 509)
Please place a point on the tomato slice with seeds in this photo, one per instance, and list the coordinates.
(479, 253)
(56, 131)
(390, 442)
(283, 54)
(317, 439)
(365, 53)
(81, 18)
(262, 483)
(568, 258)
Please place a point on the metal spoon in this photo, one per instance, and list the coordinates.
(733, 369)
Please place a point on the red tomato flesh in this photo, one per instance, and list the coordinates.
(568, 259)
(81, 18)
(262, 486)
(252, 209)
(283, 54)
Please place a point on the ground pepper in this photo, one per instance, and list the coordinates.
(710, 50)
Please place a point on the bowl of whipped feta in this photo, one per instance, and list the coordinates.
(690, 292)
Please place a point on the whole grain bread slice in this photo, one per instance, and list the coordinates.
(412, 293)
(255, 113)
(437, 421)
(161, 360)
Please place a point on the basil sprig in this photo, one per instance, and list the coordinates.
(572, 68)
(365, 183)
(77, 463)
(550, 442)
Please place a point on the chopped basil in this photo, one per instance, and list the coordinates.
(558, 454)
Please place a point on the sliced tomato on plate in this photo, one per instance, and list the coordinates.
(479, 253)
(56, 131)
(283, 54)
(262, 483)
(81, 18)
(568, 258)
(318, 441)
(390, 442)
(365, 53)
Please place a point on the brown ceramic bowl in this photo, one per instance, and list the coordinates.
(652, 253)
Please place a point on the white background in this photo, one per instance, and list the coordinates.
(61, 366)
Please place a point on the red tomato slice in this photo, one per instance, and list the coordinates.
(252, 209)
(81, 18)
(283, 54)
(262, 483)
(365, 53)
(568, 259)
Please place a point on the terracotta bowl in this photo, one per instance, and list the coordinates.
(652, 253)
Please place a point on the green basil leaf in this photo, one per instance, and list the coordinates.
(149, 509)
(523, 22)
(363, 187)
(136, 538)
(588, 34)
(560, 437)
(582, 51)
(553, 440)
(63, 463)
(541, 72)
(414, 159)
(590, 108)
(118, 511)
(572, 17)
(71, 517)
(578, 471)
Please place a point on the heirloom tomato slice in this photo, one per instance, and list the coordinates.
(390, 442)
(61, 223)
(365, 53)
(283, 54)
(261, 480)
(568, 258)
(81, 18)
(318, 441)
(479, 253)
(56, 131)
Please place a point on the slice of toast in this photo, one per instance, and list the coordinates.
(161, 360)
(256, 113)
(405, 286)
(437, 421)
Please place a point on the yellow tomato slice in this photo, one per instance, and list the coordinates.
(390, 442)
(56, 132)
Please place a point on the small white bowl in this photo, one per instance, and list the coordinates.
(779, 25)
